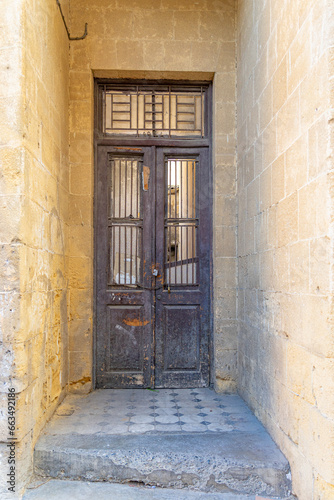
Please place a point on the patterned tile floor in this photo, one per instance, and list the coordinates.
(128, 411)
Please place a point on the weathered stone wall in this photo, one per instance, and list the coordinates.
(187, 39)
(44, 268)
(285, 236)
(11, 189)
(34, 203)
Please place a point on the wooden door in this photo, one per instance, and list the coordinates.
(123, 249)
(153, 247)
(183, 242)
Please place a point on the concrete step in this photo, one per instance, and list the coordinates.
(181, 439)
(229, 462)
(80, 490)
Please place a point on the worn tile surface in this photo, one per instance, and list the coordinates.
(131, 411)
(189, 438)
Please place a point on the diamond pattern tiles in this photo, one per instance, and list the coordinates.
(128, 411)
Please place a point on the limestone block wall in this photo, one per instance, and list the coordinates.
(45, 138)
(185, 39)
(34, 203)
(11, 189)
(285, 234)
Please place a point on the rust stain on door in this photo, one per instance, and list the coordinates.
(135, 322)
(146, 177)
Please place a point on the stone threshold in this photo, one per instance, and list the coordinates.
(189, 439)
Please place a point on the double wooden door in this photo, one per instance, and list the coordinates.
(153, 249)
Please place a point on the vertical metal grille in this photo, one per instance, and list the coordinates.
(162, 111)
(125, 221)
(181, 222)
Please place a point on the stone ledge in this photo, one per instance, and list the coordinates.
(226, 462)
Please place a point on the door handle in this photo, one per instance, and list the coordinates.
(159, 297)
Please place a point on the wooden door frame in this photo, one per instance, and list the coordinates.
(137, 142)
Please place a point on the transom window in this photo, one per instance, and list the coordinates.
(153, 110)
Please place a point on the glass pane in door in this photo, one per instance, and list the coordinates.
(125, 221)
(181, 222)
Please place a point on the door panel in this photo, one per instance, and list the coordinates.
(127, 342)
(124, 329)
(178, 352)
(183, 255)
(153, 244)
